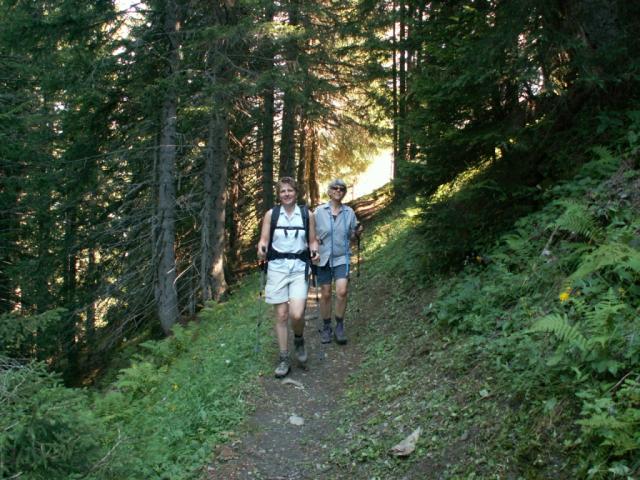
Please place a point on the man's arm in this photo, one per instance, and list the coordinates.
(265, 233)
(313, 239)
(356, 227)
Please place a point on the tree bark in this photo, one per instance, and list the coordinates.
(267, 130)
(402, 88)
(287, 139)
(302, 163)
(267, 150)
(166, 292)
(394, 74)
(312, 153)
(289, 109)
(213, 282)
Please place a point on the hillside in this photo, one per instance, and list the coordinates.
(522, 365)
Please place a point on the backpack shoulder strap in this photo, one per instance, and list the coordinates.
(304, 210)
(275, 214)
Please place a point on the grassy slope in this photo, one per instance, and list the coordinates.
(186, 394)
(457, 356)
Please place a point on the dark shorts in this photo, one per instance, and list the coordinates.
(326, 274)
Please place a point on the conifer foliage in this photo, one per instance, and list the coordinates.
(140, 145)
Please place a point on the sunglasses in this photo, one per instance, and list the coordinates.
(340, 189)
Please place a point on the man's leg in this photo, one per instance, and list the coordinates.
(282, 320)
(342, 290)
(325, 312)
(298, 292)
(296, 312)
(325, 301)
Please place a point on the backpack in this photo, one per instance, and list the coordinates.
(272, 254)
(275, 215)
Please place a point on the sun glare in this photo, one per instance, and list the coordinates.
(379, 173)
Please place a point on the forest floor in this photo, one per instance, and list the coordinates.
(272, 446)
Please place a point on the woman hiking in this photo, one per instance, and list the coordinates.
(288, 242)
(336, 226)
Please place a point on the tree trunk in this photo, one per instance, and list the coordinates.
(234, 217)
(287, 139)
(402, 93)
(302, 164)
(166, 293)
(70, 347)
(213, 283)
(289, 109)
(312, 153)
(394, 74)
(267, 150)
(268, 116)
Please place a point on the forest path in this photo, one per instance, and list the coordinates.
(273, 448)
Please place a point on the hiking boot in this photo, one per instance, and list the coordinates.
(325, 333)
(284, 366)
(339, 333)
(301, 353)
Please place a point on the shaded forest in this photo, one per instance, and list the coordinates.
(140, 144)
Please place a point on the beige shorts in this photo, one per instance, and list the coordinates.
(281, 287)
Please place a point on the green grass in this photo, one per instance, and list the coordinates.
(522, 365)
(189, 392)
(497, 393)
(160, 418)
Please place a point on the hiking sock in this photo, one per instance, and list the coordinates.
(339, 332)
(298, 345)
(325, 331)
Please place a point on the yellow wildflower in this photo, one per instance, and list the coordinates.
(564, 296)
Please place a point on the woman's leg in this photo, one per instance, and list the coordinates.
(282, 327)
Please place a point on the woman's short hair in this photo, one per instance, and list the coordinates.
(337, 182)
(287, 181)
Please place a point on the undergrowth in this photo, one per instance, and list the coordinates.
(160, 419)
(526, 364)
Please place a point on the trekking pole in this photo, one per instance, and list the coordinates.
(358, 258)
(262, 265)
(321, 354)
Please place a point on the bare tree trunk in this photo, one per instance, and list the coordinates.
(312, 153)
(268, 115)
(395, 92)
(166, 293)
(234, 217)
(302, 163)
(70, 290)
(90, 321)
(206, 252)
(287, 138)
(289, 109)
(213, 283)
(267, 150)
(402, 93)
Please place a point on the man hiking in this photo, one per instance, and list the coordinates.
(336, 226)
(288, 242)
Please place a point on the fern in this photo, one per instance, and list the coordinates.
(559, 325)
(614, 254)
(578, 220)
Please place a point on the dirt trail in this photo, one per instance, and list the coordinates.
(271, 447)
